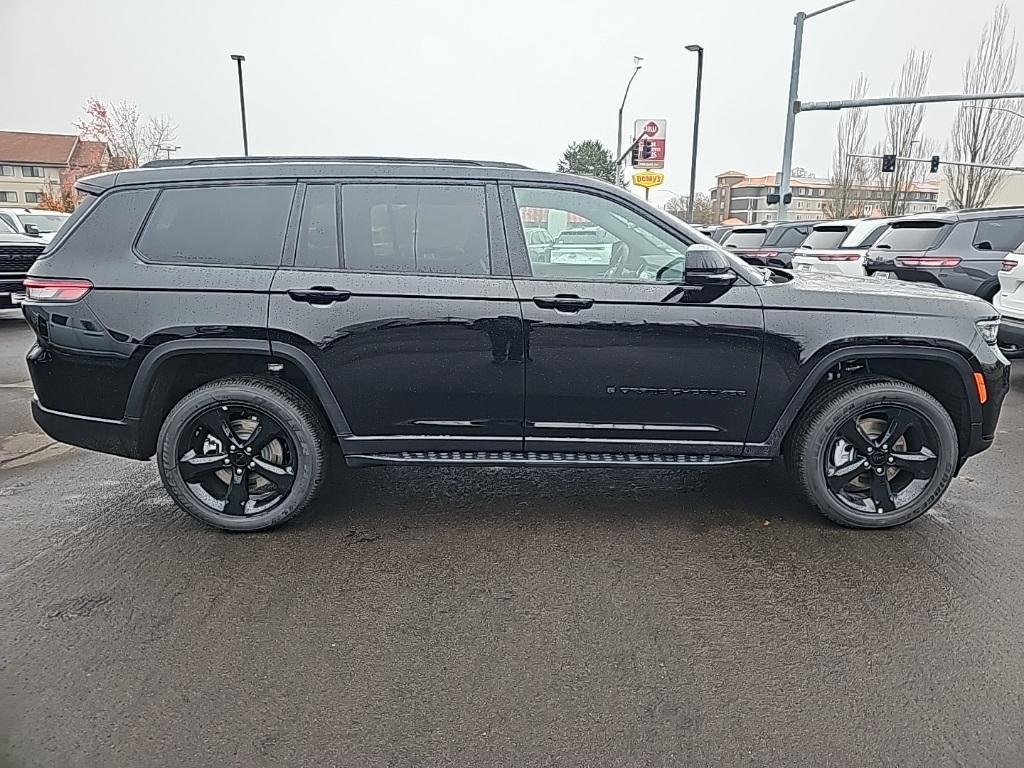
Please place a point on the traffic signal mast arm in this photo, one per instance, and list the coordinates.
(929, 160)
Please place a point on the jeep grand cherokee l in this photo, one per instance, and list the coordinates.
(235, 317)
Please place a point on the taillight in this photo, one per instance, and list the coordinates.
(929, 261)
(1008, 264)
(837, 257)
(763, 254)
(45, 289)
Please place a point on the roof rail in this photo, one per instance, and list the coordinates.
(186, 161)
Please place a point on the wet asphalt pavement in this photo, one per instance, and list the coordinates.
(491, 617)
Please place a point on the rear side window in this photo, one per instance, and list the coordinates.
(227, 226)
(864, 235)
(913, 235)
(826, 237)
(999, 234)
(108, 225)
(318, 229)
(745, 238)
(788, 237)
(419, 228)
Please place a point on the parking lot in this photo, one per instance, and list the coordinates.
(503, 617)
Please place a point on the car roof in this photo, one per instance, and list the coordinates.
(966, 214)
(239, 169)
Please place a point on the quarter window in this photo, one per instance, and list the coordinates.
(232, 226)
(597, 239)
(318, 229)
(417, 228)
(999, 234)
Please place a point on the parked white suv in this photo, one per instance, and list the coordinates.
(839, 247)
(1010, 301)
(34, 221)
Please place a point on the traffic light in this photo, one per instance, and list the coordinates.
(646, 149)
(888, 163)
(772, 199)
(934, 167)
(634, 156)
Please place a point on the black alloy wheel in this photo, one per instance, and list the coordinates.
(873, 452)
(237, 460)
(881, 459)
(244, 453)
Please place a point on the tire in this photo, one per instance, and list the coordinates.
(207, 470)
(915, 470)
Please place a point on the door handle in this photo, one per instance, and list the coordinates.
(563, 303)
(318, 294)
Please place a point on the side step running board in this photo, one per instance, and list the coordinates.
(547, 458)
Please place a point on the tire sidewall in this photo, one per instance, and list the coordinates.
(307, 460)
(824, 427)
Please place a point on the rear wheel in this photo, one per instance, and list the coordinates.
(874, 453)
(243, 454)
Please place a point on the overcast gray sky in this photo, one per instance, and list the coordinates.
(500, 80)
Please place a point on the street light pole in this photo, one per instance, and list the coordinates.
(794, 85)
(618, 142)
(696, 129)
(239, 58)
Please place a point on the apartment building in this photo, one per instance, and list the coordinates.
(32, 164)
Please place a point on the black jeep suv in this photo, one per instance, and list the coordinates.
(236, 317)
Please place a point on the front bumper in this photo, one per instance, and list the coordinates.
(1011, 331)
(121, 437)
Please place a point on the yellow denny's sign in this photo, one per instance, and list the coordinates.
(648, 179)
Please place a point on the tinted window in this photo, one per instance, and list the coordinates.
(429, 229)
(745, 238)
(108, 225)
(864, 234)
(317, 246)
(788, 237)
(234, 226)
(826, 237)
(912, 235)
(1000, 234)
(598, 239)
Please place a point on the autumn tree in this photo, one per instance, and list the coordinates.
(991, 133)
(131, 139)
(589, 158)
(902, 132)
(849, 173)
(65, 199)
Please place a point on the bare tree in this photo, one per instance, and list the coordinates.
(130, 139)
(703, 213)
(902, 131)
(849, 174)
(986, 134)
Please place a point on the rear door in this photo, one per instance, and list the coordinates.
(993, 240)
(400, 292)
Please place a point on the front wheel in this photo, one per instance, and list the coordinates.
(874, 453)
(244, 453)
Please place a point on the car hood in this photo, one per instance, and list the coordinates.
(833, 293)
(16, 239)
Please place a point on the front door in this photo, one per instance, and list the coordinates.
(410, 314)
(623, 356)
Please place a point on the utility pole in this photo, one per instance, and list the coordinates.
(696, 129)
(791, 101)
(637, 66)
(239, 58)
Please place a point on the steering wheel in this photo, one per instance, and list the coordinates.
(619, 257)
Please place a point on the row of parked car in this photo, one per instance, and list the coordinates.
(976, 251)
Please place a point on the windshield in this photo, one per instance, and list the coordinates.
(6, 228)
(912, 235)
(745, 238)
(826, 237)
(46, 222)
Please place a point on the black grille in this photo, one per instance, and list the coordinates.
(18, 258)
(11, 286)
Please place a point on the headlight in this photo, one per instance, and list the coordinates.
(989, 330)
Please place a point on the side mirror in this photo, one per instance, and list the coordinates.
(706, 266)
(32, 229)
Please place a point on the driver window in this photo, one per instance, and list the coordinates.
(579, 236)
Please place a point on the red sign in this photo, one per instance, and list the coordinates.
(651, 128)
